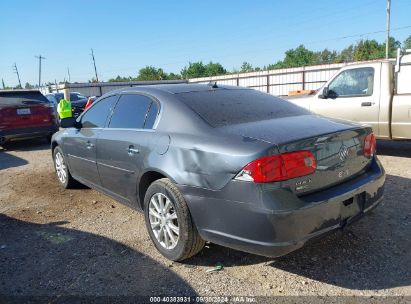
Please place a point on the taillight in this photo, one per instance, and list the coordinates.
(279, 167)
(370, 145)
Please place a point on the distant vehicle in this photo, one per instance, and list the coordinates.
(55, 97)
(78, 101)
(25, 114)
(232, 166)
(90, 101)
(377, 94)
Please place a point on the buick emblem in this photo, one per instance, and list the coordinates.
(343, 153)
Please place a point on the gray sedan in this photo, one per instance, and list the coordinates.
(228, 165)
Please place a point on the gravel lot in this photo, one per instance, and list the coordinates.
(59, 242)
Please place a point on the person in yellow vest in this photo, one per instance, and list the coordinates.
(64, 109)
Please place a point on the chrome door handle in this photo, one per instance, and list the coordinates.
(367, 104)
(131, 151)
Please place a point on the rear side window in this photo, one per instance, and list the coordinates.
(151, 116)
(97, 115)
(22, 98)
(130, 112)
(223, 107)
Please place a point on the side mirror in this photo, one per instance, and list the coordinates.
(324, 94)
(69, 122)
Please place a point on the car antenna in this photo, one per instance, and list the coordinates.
(213, 84)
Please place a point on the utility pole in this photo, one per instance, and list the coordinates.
(17, 72)
(387, 40)
(94, 62)
(40, 58)
(2, 81)
(68, 72)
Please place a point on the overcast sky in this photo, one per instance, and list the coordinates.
(128, 35)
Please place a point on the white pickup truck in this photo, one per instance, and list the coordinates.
(375, 93)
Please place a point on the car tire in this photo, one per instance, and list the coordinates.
(48, 138)
(167, 217)
(62, 171)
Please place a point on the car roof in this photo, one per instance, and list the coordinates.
(176, 88)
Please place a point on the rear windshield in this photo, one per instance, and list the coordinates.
(22, 98)
(228, 107)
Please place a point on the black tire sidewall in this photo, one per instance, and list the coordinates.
(184, 223)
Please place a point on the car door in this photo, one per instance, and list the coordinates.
(352, 95)
(123, 146)
(80, 146)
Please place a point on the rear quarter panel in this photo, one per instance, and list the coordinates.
(208, 161)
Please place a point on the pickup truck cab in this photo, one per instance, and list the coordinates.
(376, 93)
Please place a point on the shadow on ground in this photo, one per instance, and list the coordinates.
(9, 161)
(33, 144)
(49, 260)
(373, 253)
(394, 148)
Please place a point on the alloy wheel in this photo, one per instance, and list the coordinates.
(164, 221)
(61, 169)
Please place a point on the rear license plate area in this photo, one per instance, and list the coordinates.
(352, 206)
(23, 111)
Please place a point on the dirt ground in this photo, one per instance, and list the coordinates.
(56, 242)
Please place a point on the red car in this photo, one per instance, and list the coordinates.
(25, 114)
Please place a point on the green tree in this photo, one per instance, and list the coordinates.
(297, 57)
(173, 76)
(194, 70)
(407, 43)
(214, 69)
(199, 69)
(121, 79)
(371, 49)
(151, 73)
(246, 67)
(368, 50)
(346, 55)
(278, 65)
(393, 46)
(325, 56)
(28, 86)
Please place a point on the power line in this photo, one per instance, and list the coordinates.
(94, 62)
(270, 49)
(251, 51)
(17, 72)
(241, 33)
(40, 58)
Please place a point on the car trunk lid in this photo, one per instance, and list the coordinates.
(336, 145)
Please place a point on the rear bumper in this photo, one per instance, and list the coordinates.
(268, 220)
(7, 135)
